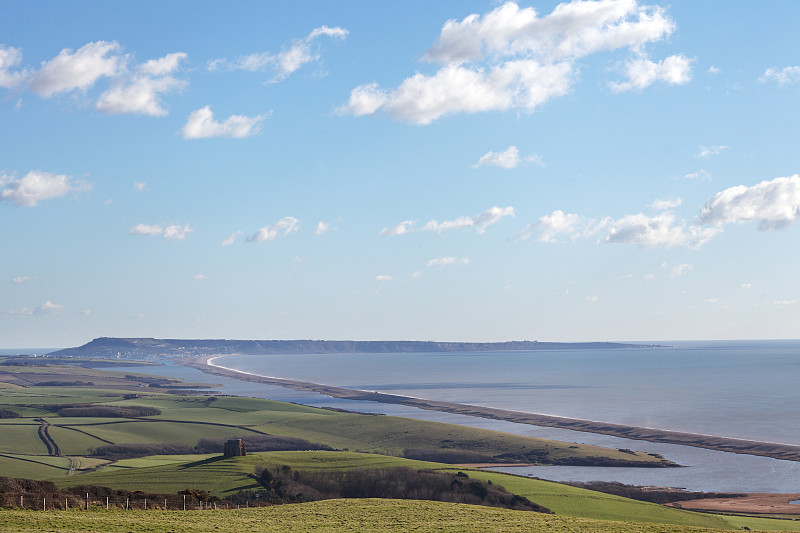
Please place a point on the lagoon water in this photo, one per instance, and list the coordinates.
(737, 389)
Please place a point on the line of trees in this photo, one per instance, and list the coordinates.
(284, 485)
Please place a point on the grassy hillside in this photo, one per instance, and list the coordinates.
(363, 516)
(224, 477)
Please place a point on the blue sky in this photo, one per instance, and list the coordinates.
(451, 170)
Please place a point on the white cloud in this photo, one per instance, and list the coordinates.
(511, 58)
(70, 70)
(552, 225)
(141, 95)
(714, 70)
(10, 57)
(141, 92)
(775, 204)
(162, 66)
(784, 76)
(406, 226)
(85, 312)
(19, 280)
(322, 228)
(36, 186)
(784, 302)
(146, 229)
(199, 277)
(668, 203)
(747, 285)
(281, 228)
(300, 52)
(509, 158)
(642, 73)
(679, 270)
(47, 308)
(708, 151)
(591, 298)
(139, 186)
(699, 175)
(230, 240)
(658, 230)
(448, 260)
(381, 278)
(649, 277)
(479, 222)
(177, 232)
(201, 125)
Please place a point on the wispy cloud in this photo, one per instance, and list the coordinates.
(139, 186)
(511, 58)
(47, 308)
(19, 280)
(667, 203)
(448, 261)
(480, 222)
(509, 158)
(202, 125)
(281, 228)
(642, 73)
(679, 270)
(699, 175)
(231, 239)
(783, 76)
(323, 228)
(707, 151)
(36, 186)
(174, 232)
(295, 55)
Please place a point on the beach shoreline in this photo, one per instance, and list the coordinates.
(785, 452)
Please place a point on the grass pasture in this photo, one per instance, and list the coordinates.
(363, 516)
(224, 477)
(33, 466)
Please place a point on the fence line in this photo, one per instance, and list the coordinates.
(173, 502)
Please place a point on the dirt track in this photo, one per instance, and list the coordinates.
(777, 451)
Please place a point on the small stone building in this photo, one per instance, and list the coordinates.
(235, 448)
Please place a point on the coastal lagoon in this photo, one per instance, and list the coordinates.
(735, 389)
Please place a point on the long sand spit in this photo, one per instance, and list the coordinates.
(726, 444)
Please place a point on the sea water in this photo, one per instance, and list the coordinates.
(748, 390)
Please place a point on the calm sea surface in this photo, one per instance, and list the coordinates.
(748, 390)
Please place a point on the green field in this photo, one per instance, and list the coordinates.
(361, 516)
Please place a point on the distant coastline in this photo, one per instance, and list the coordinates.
(766, 449)
(161, 348)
